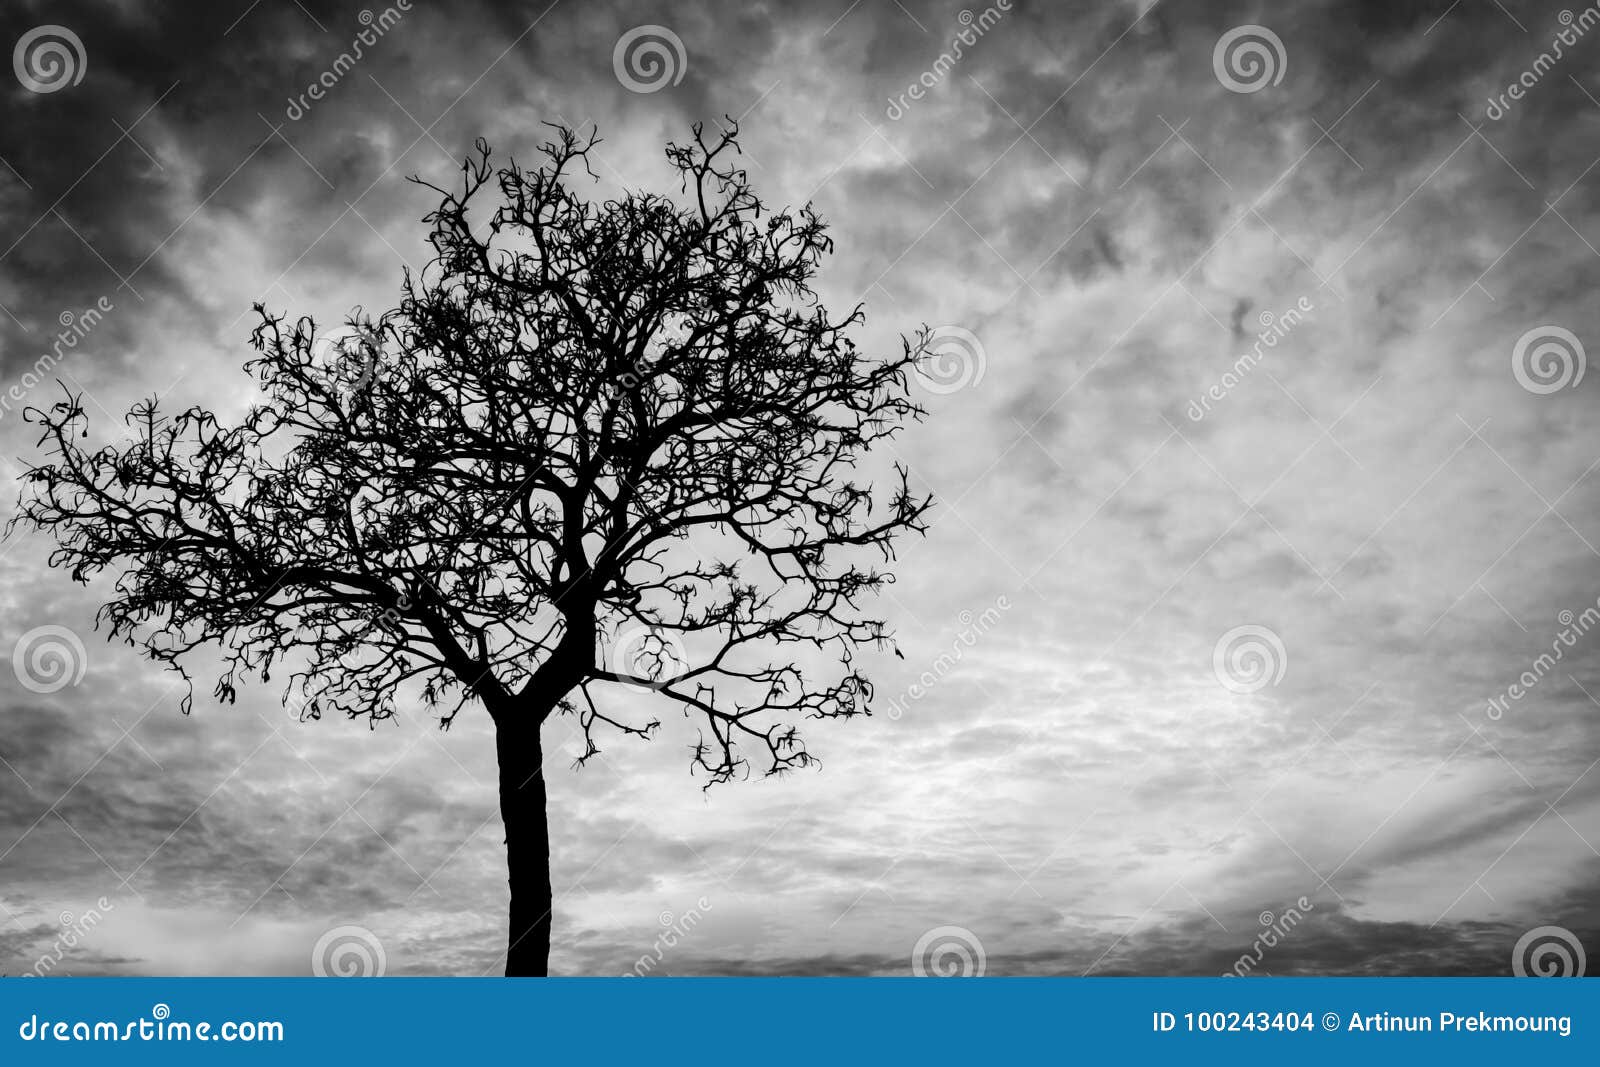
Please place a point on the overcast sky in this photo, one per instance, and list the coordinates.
(1397, 497)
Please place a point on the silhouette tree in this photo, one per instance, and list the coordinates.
(594, 446)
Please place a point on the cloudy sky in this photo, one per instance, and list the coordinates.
(1396, 499)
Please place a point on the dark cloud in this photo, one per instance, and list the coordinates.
(1083, 194)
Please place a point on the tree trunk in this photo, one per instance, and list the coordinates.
(522, 807)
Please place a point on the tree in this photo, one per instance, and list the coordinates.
(594, 446)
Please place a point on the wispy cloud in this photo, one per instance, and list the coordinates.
(1081, 193)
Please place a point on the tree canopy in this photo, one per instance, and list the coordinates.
(594, 444)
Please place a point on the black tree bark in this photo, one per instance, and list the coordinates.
(523, 809)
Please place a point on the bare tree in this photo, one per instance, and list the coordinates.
(595, 445)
